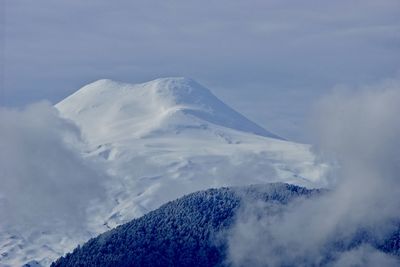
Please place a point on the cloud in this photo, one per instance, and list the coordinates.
(366, 256)
(359, 130)
(44, 181)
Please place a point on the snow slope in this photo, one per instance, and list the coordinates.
(169, 104)
(172, 136)
(157, 141)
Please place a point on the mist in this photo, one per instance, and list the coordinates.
(44, 181)
(357, 131)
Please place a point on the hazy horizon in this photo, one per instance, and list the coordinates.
(268, 59)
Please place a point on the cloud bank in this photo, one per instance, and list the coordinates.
(360, 130)
(43, 179)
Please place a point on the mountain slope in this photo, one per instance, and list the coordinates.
(193, 231)
(153, 143)
(184, 232)
(168, 137)
(174, 103)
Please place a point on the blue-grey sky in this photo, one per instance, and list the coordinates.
(268, 59)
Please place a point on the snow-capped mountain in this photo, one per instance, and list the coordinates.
(172, 136)
(155, 142)
(169, 104)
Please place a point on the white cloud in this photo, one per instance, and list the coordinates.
(360, 131)
(43, 179)
(366, 256)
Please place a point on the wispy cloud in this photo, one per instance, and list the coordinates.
(360, 131)
(43, 179)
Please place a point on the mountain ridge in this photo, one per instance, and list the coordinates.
(194, 230)
(188, 231)
(161, 101)
(174, 131)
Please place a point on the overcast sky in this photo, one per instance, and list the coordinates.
(268, 59)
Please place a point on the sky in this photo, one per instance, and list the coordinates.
(270, 60)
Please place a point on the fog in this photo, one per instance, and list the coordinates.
(43, 179)
(357, 130)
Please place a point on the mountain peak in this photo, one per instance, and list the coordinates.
(177, 83)
(180, 90)
(162, 83)
(176, 89)
(174, 102)
(173, 80)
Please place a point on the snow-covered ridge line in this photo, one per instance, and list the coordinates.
(151, 105)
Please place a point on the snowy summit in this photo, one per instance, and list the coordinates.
(172, 136)
(166, 104)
